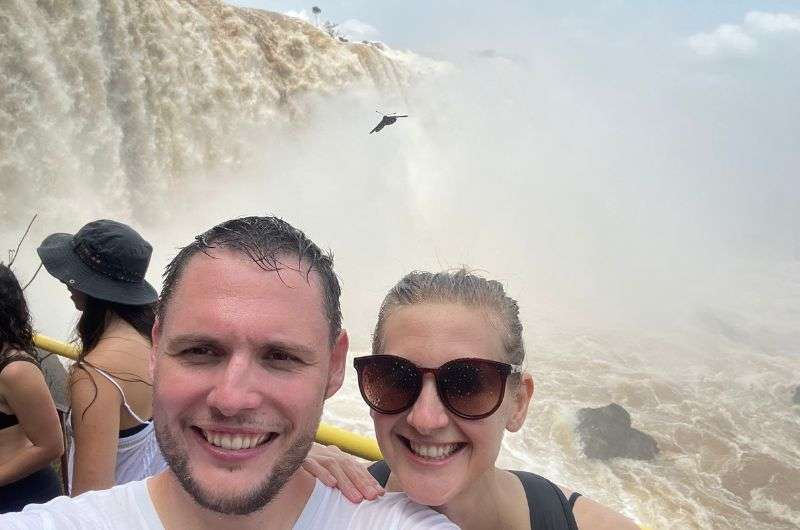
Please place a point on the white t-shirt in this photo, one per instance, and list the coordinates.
(327, 508)
(129, 507)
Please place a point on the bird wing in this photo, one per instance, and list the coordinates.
(379, 126)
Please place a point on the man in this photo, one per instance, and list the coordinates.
(247, 345)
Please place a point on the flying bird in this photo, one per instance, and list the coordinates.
(387, 119)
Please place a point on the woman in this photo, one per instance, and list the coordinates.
(30, 432)
(444, 383)
(113, 440)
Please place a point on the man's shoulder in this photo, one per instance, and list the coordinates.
(397, 511)
(328, 508)
(127, 506)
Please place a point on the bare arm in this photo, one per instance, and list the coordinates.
(96, 406)
(591, 515)
(26, 392)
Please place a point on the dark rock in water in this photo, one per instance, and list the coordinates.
(796, 398)
(606, 433)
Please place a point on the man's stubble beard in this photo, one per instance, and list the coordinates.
(242, 504)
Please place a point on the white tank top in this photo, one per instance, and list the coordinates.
(138, 455)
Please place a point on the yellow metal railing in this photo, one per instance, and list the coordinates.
(355, 444)
(70, 351)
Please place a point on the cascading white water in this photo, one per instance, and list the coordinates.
(173, 115)
(124, 101)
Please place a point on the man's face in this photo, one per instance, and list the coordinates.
(242, 364)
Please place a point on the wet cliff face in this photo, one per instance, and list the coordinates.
(120, 100)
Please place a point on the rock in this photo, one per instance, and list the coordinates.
(606, 433)
(796, 398)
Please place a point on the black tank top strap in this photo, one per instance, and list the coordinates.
(573, 498)
(547, 505)
(380, 471)
(130, 431)
(8, 359)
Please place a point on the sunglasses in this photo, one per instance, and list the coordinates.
(469, 388)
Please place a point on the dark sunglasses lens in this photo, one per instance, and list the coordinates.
(471, 387)
(389, 384)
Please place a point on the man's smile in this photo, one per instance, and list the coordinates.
(233, 441)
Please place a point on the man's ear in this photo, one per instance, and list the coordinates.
(336, 367)
(155, 336)
(522, 399)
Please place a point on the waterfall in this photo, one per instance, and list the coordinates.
(120, 101)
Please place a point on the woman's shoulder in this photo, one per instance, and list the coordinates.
(547, 506)
(15, 360)
(118, 345)
(592, 515)
(121, 355)
(588, 513)
(19, 371)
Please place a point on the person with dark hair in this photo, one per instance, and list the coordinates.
(445, 381)
(30, 432)
(112, 438)
(247, 346)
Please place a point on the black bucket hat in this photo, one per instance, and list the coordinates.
(104, 259)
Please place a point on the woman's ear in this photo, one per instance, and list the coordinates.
(522, 399)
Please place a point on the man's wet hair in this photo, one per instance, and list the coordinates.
(267, 241)
(460, 287)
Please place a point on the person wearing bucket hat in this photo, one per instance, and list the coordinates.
(112, 440)
(30, 432)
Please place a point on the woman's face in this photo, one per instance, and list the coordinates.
(78, 298)
(435, 454)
